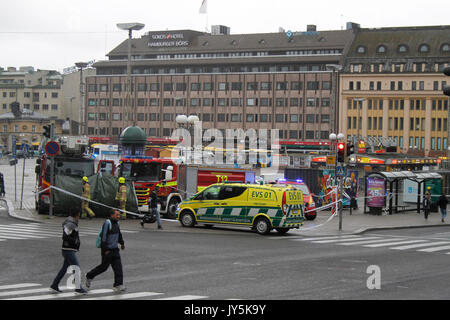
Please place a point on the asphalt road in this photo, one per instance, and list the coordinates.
(223, 264)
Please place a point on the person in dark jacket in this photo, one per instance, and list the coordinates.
(442, 203)
(427, 204)
(70, 246)
(153, 209)
(111, 237)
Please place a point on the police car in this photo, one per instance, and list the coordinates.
(262, 207)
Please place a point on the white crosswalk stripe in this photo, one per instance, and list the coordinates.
(36, 291)
(28, 231)
(378, 241)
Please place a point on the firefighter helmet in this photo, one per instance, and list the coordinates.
(85, 179)
(121, 180)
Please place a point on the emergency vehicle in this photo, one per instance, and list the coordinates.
(72, 161)
(262, 207)
(310, 205)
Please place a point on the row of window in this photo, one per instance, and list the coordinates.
(36, 95)
(221, 117)
(54, 107)
(397, 85)
(209, 86)
(404, 48)
(210, 102)
(397, 67)
(395, 123)
(16, 128)
(399, 104)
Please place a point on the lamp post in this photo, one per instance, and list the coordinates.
(334, 140)
(188, 122)
(81, 66)
(130, 27)
(335, 69)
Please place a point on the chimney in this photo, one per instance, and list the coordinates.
(12, 69)
(353, 26)
(311, 27)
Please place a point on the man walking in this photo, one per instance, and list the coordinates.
(111, 236)
(86, 211)
(70, 246)
(427, 204)
(442, 203)
(153, 208)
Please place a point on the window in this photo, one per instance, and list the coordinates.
(117, 87)
(293, 118)
(293, 102)
(282, 85)
(310, 102)
(251, 102)
(424, 48)
(325, 102)
(402, 48)
(361, 49)
(279, 118)
(310, 118)
(236, 102)
(250, 118)
(313, 85)
(381, 49)
(252, 86)
(154, 86)
(103, 87)
(266, 86)
(207, 102)
(92, 88)
(54, 95)
(326, 85)
(180, 86)
(195, 102)
(445, 47)
(223, 86)
(325, 118)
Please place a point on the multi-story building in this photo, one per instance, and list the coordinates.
(391, 89)
(284, 81)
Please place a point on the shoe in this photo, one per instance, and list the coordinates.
(119, 288)
(87, 283)
(142, 224)
(81, 291)
(55, 289)
(159, 227)
(442, 220)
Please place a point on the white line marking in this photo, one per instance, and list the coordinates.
(325, 238)
(184, 298)
(345, 240)
(368, 242)
(126, 296)
(435, 249)
(21, 292)
(420, 245)
(19, 285)
(392, 243)
(62, 295)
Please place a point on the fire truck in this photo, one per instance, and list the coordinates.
(71, 161)
(175, 181)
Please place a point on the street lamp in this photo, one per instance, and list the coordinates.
(81, 66)
(130, 27)
(334, 139)
(188, 122)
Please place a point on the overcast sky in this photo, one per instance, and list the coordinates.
(54, 34)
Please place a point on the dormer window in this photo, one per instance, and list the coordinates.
(262, 41)
(424, 48)
(381, 49)
(361, 49)
(233, 42)
(402, 48)
(205, 43)
(445, 47)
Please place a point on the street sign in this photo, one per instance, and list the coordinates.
(52, 148)
(340, 171)
(25, 148)
(331, 160)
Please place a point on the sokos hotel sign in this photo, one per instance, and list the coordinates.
(168, 40)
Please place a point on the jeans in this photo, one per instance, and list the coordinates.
(70, 259)
(158, 218)
(113, 259)
(443, 212)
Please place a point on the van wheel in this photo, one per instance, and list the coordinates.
(262, 226)
(187, 219)
(310, 217)
(282, 230)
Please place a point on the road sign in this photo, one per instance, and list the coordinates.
(331, 160)
(340, 171)
(25, 148)
(52, 148)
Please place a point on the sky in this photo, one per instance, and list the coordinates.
(54, 34)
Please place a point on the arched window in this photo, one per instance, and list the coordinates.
(423, 48)
(445, 47)
(381, 49)
(402, 48)
(361, 49)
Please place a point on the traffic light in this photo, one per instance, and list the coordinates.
(446, 89)
(350, 149)
(48, 131)
(341, 152)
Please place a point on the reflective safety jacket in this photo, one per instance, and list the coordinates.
(122, 194)
(86, 191)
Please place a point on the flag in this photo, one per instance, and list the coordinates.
(203, 7)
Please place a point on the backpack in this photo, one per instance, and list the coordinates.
(98, 242)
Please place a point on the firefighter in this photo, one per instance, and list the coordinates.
(121, 196)
(86, 211)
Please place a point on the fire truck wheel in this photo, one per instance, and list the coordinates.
(172, 208)
(187, 219)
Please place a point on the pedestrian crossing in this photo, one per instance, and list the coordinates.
(36, 291)
(381, 241)
(33, 231)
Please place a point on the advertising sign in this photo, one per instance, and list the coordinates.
(375, 192)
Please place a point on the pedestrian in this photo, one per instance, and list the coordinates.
(153, 209)
(427, 204)
(70, 246)
(121, 197)
(2, 185)
(110, 238)
(86, 211)
(442, 203)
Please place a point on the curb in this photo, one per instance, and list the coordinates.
(12, 213)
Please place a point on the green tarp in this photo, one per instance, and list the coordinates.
(103, 190)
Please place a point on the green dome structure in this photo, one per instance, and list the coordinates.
(133, 140)
(133, 135)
